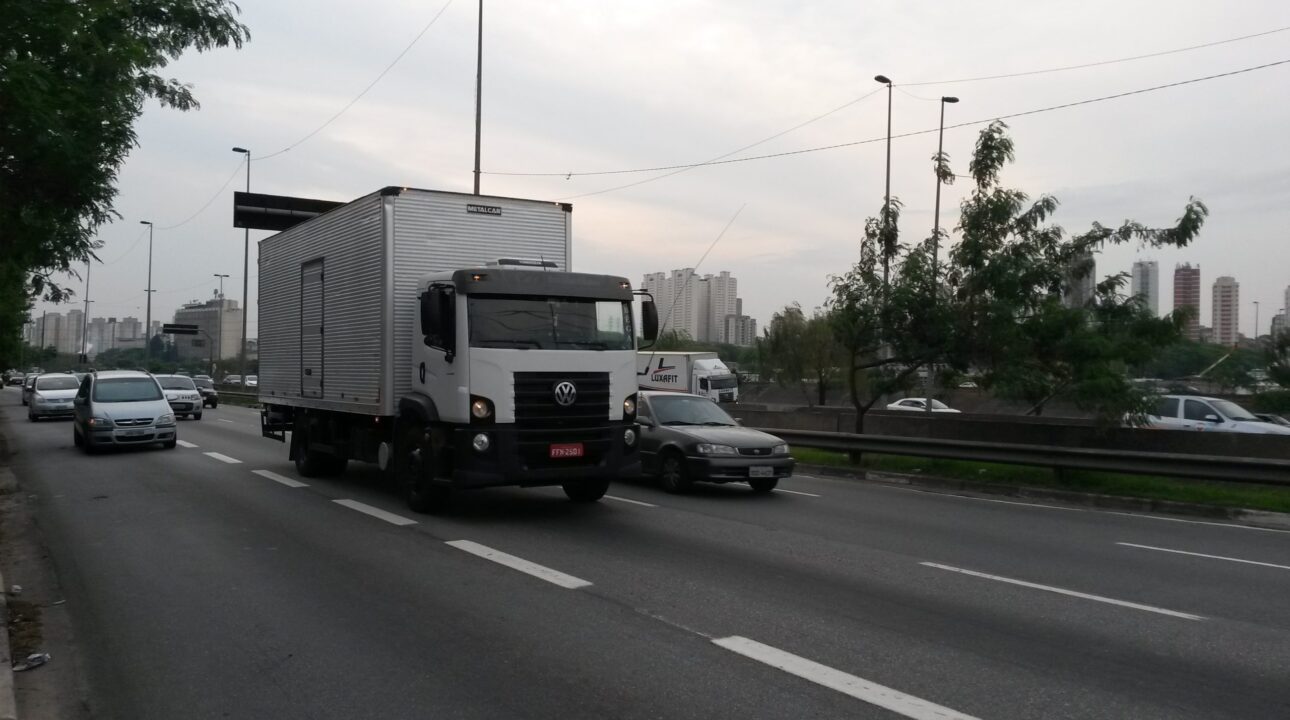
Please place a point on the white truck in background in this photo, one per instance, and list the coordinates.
(701, 373)
(391, 333)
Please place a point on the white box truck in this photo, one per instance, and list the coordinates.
(701, 373)
(393, 331)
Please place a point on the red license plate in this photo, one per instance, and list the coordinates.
(568, 450)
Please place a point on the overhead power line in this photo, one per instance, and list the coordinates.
(370, 85)
(213, 198)
(788, 153)
(1100, 63)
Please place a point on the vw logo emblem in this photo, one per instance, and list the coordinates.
(565, 393)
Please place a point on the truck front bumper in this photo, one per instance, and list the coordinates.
(522, 457)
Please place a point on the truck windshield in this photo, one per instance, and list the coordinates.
(528, 323)
(723, 383)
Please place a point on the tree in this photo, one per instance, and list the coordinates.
(74, 76)
(1008, 275)
(784, 351)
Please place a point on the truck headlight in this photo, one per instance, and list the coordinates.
(709, 449)
(480, 442)
(629, 407)
(629, 437)
(480, 408)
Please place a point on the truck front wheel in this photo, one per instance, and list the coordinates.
(416, 471)
(586, 491)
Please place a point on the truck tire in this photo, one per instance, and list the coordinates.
(309, 463)
(763, 485)
(415, 472)
(672, 472)
(586, 491)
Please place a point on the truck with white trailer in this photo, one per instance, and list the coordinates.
(394, 330)
(700, 373)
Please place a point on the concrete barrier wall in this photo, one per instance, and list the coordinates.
(1062, 432)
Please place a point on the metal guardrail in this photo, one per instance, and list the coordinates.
(1207, 467)
(243, 396)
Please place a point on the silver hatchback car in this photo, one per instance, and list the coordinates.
(51, 396)
(121, 408)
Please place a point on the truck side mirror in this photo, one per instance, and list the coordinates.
(649, 319)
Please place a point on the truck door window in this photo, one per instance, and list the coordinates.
(437, 318)
(703, 383)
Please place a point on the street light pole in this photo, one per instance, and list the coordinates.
(936, 229)
(246, 269)
(85, 316)
(479, 85)
(1256, 321)
(147, 329)
(886, 194)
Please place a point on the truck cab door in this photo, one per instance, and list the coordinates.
(436, 354)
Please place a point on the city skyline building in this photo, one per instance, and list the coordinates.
(1226, 311)
(700, 306)
(1144, 282)
(1187, 295)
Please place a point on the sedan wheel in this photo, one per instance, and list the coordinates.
(672, 473)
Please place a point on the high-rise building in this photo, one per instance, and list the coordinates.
(1144, 282)
(1187, 295)
(219, 329)
(1279, 325)
(697, 306)
(1081, 281)
(1226, 310)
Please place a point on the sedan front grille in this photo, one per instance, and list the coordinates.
(756, 451)
(132, 422)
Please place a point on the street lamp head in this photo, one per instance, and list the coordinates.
(882, 79)
(145, 222)
(949, 99)
(241, 150)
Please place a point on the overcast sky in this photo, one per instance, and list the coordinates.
(575, 86)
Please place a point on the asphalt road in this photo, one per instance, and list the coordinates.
(210, 581)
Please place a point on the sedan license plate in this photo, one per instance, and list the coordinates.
(761, 471)
(566, 450)
(133, 433)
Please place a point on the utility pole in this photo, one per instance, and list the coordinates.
(219, 353)
(147, 329)
(479, 85)
(246, 270)
(936, 238)
(886, 195)
(85, 317)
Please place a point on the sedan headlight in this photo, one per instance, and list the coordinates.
(167, 419)
(102, 422)
(38, 398)
(709, 449)
(780, 449)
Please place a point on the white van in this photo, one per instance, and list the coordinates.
(1207, 414)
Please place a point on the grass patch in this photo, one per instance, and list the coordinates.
(1256, 497)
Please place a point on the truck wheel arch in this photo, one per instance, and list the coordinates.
(418, 408)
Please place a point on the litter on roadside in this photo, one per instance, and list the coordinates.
(33, 660)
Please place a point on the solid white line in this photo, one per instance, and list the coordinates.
(858, 688)
(1213, 557)
(524, 566)
(223, 420)
(1071, 593)
(375, 512)
(185, 443)
(279, 478)
(222, 458)
(796, 492)
(627, 500)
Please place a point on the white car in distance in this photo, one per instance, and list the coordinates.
(1207, 414)
(919, 405)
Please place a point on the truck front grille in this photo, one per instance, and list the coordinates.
(542, 421)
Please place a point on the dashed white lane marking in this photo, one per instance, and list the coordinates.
(627, 500)
(538, 571)
(1212, 557)
(796, 492)
(224, 420)
(279, 478)
(223, 458)
(1070, 593)
(376, 512)
(185, 443)
(845, 683)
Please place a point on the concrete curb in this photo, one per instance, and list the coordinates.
(1240, 516)
(8, 701)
